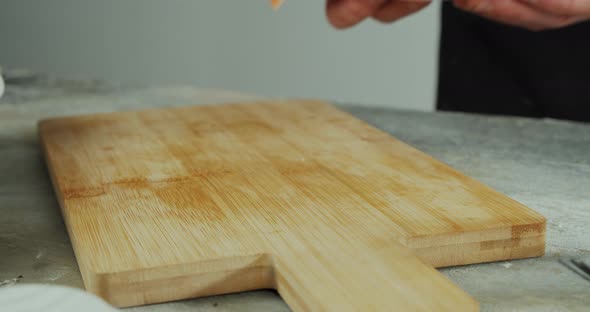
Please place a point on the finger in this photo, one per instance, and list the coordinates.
(562, 7)
(396, 9)
(513, 12)
(347, 13)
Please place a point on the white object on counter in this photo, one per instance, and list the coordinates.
(1, 84)
(50, 298)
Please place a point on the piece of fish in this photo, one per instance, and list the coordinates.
(276, 4)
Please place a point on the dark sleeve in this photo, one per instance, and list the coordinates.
(490, 68)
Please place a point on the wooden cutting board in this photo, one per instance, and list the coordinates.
(297, 196)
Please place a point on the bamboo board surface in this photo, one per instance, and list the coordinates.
(298, 196)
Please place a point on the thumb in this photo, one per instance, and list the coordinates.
(347, 13)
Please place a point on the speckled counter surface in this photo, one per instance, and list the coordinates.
(544, 164)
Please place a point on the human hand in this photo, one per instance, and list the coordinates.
(530, 14)
(347, 13)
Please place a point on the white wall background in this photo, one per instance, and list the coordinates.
(232, 44)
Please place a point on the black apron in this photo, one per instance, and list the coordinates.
(490, 68)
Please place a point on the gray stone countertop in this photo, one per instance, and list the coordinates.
(545, 164)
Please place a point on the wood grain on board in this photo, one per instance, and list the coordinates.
(299, 196)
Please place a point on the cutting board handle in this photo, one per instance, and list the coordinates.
(393, 279)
